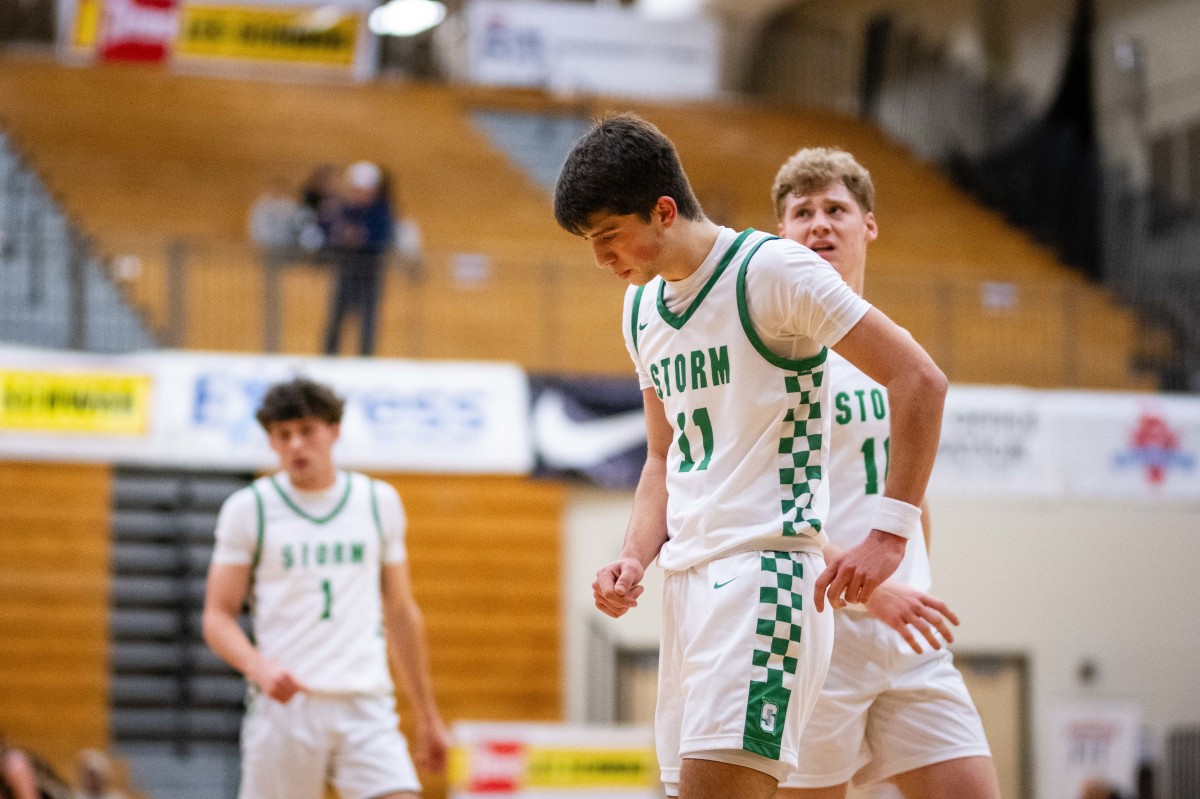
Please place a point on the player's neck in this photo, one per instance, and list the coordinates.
(318, 479)
(689, 244)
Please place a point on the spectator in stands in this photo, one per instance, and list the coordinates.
(93, 776)
(318, 205)
(275, 218)
(359, 236)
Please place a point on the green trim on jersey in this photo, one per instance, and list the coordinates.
(378, 521)
(633, 316)
(802, 470)
(300, 511)
(262, 528)
(799, 365)
(678, 322)
(776, 652)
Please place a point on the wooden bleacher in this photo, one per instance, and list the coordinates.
(140, 155)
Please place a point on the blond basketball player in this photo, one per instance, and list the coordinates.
(320, 555)
(728, 332)
(888, 710)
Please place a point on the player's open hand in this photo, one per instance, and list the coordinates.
(904, 609)
(617, 586)
(432, 746)
(277, 683)
(855, 574)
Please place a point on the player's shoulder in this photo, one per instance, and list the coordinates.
(245, 498)
(784, 259)
(382, 490)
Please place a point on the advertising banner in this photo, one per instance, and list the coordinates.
(138, 30)
(996, 441)
(325, 36)
(1092, 745)
(224, 36)
(1123, 446)
(595, 49)
(536, 761)
(197, 411)
(400, 415)
(58, 405)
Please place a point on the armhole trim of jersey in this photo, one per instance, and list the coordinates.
(798, 365)
(633, 316)
(375, 515)
(262, 527)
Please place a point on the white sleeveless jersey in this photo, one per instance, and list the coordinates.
(861, 429)
(316, 603)
(745, 470)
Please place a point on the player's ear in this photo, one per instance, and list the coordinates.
(665, 211)
(872, 226)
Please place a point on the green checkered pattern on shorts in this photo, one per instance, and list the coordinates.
(776, 651)
(800, 471)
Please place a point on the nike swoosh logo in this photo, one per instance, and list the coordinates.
(642, 325)
(566, 443)
(727, 582)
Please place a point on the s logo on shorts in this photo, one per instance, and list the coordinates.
(767, 722)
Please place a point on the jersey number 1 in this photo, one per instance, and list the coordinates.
(868, 451)
(327, 592)
(701, 420)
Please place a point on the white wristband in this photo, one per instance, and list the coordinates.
(896, 517)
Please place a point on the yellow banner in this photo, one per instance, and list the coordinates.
(514, 767)
(87, 23)
(590, 768)
(323, 36)
(74, 402)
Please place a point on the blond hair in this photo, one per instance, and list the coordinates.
(814, 168)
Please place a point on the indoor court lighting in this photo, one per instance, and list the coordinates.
(406, 17)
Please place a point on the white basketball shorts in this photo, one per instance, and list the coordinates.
(290, 751)
(884, 710)
(742, 659)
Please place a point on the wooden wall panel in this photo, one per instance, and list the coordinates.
(486, 560)
(54, 565)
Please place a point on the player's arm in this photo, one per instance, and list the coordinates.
(405, 635)
(916, 388)
(618, 584)
(926, 525)
(223, 598)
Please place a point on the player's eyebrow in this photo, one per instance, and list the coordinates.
(601, 231)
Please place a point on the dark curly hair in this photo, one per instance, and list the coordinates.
(297, 399)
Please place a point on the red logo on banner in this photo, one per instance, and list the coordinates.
(497, 767)
(1155, 447)
(138, 30)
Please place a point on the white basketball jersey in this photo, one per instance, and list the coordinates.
(316, 603)
(745, 470)
(861, 443)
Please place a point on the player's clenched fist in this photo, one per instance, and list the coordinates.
(617, 586)
(279, 684)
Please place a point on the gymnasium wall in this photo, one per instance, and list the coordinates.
(1058, 581)
(484, 554)
(54, 562)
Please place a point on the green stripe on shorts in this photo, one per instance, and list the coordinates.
(776, 652)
